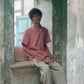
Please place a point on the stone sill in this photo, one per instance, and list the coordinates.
(23, 64)
(17, 69)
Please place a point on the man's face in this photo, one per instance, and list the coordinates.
(36, 18)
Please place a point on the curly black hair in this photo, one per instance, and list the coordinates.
(34, 11)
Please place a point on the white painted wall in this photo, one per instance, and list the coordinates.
(75, 42)
(28, 5)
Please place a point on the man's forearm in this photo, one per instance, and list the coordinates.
(51, 55)
(48, 51)
(29, 52)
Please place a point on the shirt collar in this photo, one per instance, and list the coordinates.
(41, 29)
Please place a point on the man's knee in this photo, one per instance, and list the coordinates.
(46, 67)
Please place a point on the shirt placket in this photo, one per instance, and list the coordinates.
(41, 40)
(39, 37)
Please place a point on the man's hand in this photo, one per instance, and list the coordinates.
(38, 59)
(32, 54)
(54, 59)
(51, 57)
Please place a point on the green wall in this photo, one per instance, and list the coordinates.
(8, 36)
(60, 29)
(1, 30)
(9, 29)
(1, 41)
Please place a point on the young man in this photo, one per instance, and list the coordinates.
(35, 44)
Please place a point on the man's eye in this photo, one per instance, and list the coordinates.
(38, 15)
(34, 16)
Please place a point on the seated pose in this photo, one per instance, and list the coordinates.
(34, 43)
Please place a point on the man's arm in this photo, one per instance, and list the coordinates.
(50, 54)
(32, 54)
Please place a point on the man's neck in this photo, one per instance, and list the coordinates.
(36, 25)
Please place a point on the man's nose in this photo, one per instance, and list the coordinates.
(38, 17)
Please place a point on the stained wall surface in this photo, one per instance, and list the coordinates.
(75, 42)
(60, 30)
(1, 41)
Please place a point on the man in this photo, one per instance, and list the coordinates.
(35, 44)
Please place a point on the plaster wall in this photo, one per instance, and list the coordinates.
(60, 30)
(75, 42)
(28, 4)
(1, 41)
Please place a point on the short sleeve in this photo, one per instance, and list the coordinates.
(47, 37)
(25, 40)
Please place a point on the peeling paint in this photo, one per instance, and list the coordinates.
(30, 75)
(50, 1)
(2, 54)
(9, 29)
(60, 30)
(75, 42)
(2, 41)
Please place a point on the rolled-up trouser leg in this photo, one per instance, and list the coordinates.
(58, 73)
(45, 73)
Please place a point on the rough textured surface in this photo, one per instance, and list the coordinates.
(22, 64)
(1, 30)
(60, 30)
(27, 75)
(9, 29)
(1, 41)
(8, 36)
(75, 42)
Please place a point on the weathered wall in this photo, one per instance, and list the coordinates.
(9, 29)
(8, 36)
(28, 4)
(60, 30)
(25, 75)
(46, 7)
(1, 41)
(75, 42)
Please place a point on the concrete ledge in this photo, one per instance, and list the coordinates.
(24, 73)
(21, 64)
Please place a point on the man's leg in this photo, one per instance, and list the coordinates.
(45, 72)
(58, 73)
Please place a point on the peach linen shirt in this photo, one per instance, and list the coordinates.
(35, 39)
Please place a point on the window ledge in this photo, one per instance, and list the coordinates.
(23, 64)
